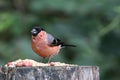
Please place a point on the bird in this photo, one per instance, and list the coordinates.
(45, 44)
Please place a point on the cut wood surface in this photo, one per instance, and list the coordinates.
(50, 73)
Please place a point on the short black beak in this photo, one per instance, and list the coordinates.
(33, 32)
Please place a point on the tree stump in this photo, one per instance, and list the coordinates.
(50, 73)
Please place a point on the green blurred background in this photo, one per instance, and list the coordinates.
(92, 25)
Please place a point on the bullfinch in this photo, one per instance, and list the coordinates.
(44, 44)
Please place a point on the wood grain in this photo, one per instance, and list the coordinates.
(50, 73)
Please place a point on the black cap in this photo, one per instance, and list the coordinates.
(36, 30)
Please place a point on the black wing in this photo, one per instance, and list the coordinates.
(56, 42)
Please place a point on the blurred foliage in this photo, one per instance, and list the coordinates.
(94, 26)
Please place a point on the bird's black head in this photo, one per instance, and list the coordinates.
(36, 30)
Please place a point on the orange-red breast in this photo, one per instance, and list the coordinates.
(44, 44)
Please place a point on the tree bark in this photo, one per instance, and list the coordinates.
(50, 73)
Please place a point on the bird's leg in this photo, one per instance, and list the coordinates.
(49, 58)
